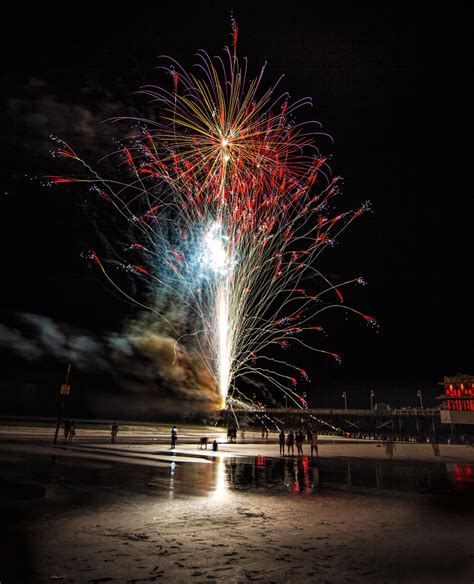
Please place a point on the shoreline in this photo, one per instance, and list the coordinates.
(154, 440)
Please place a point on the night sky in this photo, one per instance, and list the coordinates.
(387, 84)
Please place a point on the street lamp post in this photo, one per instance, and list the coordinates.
(420, 395)
(344, 395)
(64, 391)
(305, 405)
(372, 399)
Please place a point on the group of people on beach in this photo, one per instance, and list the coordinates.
(289, 440)
(298, 438)
(70, 431)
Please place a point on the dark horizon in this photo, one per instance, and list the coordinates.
(369, 74)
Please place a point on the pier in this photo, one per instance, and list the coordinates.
(410, 424)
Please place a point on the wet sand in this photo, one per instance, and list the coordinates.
(141, 513)
(334, 447)
(343, 538)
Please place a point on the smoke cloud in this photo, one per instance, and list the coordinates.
(139, 372)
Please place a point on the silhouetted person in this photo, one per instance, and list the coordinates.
(314, 442)
(299, 443)
(72, 432)
(389, 449)
(114, 432)
(290, 443)
(174, 436)
(214, 445)
(282, 442)
(67, 430)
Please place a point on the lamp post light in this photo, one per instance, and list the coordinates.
(305, 403)
(344, 395)
(372, 399)
(420, 395)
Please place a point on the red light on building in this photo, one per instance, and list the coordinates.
(459, 393)
(464, 473)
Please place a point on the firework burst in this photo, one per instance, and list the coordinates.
(232, 205)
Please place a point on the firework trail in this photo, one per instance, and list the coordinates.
(232, 205)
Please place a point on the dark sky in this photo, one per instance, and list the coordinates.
(388, 83)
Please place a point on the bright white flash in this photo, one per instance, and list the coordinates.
(216, 254)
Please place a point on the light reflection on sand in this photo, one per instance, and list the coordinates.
(221, 490)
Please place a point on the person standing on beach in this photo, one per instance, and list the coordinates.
(290, 443)
(282, 443)
(174, 436)
(67, 429)
(314, 442)
(72, 432)
(389, 448)
(299, 443)
(114, 432)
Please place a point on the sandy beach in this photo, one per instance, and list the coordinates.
(140, 512)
